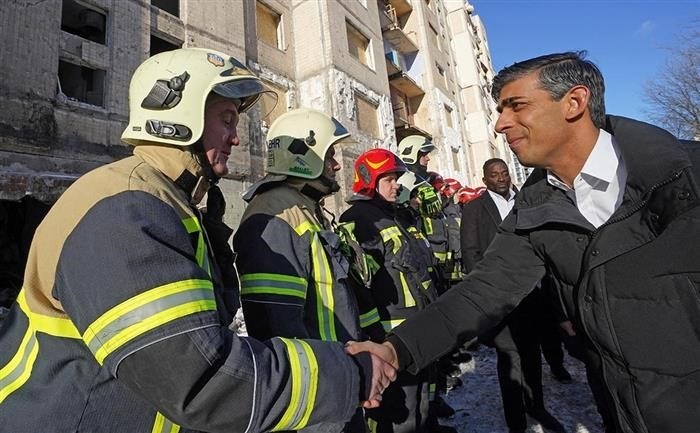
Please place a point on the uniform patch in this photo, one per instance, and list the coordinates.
(215, 59)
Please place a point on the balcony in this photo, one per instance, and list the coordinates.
(402, 82)
(402, 7)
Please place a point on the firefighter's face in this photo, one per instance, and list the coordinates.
(220, 135)
(387, 187)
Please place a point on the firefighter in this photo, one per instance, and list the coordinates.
(122, 322)
(295, 280)
(401, 286)
(414, 151)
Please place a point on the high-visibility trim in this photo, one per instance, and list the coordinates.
(426, 284)
(164, 425)
(273, 284)
(17, 371)
(392, 234)
(372, 425)
(304, 378)
(441, 256)
(192, 226)
(369, 318)
(56, 326)
(391, 324)
(432, 388)
(427, 226)
(323, 281)
(145, 312)
(307, 226)
(409, 300)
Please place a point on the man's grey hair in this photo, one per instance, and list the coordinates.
(558, 73)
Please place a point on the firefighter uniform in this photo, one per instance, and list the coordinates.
(122, 322)
(401, 286)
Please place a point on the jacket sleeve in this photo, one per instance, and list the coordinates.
(273, 261)
(507, 273)
(471, 252)
(133, 279)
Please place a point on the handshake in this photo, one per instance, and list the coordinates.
(384, 366)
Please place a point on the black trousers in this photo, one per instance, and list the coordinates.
(404, 407)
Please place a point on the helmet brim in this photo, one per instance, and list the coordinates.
(248, 91)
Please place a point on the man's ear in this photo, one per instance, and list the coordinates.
(576, 102)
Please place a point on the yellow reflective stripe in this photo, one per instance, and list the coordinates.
(164, 425)
(325, 303)
(123, 323)
(369, 318)
(306, 226)
(192, 226)
(391, 324)
(408, 297)
(442, 257)
(56, 326)
(274, 284)
(427, 226)
(392, 233)
(304, 383)
(17, 371)
(372, 425)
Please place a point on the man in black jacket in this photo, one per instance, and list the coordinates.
(517, 338)
(611, 213)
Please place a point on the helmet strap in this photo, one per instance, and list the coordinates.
(197, 149)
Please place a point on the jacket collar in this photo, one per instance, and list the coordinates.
(178, 165)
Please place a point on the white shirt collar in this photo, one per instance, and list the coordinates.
(601, 164)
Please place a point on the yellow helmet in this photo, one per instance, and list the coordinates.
(168, 92)
(298, 140)
(411, 145)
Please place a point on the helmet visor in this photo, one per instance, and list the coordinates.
(248, 91)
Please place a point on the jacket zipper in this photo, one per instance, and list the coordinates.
(591, 236)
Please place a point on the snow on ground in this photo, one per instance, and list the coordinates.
(478, 401)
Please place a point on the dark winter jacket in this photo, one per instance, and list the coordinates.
(631, 286)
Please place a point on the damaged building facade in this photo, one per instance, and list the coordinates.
(385, 68)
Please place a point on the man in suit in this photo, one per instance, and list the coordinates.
(515, 339)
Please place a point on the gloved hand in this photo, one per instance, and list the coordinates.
(429, 201)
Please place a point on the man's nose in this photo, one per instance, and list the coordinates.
(233, 139)
(502, 123)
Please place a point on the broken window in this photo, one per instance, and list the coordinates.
(269, 26)
(81, 83)
(270, 107)
(83, 21)
(358, 45)
(448, 116)
(170, 6)
(366, 116)
(159, 45)
(456, 166)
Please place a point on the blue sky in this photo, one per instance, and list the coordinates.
(625, 38)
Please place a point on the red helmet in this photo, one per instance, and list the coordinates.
(371, 165)
(435, 180)
(467, 194)
(449, 187)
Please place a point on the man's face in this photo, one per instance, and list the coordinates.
(533, 122)
(387, 187)
(423, 159)
(497, 179)
(219, 136)
(330, 167)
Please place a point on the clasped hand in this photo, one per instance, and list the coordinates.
(384, 366)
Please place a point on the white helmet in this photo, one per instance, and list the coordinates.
(168, 93)
(411, 145)
(298, 140)
(408, 181)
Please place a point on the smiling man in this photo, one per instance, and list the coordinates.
(611, 213)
